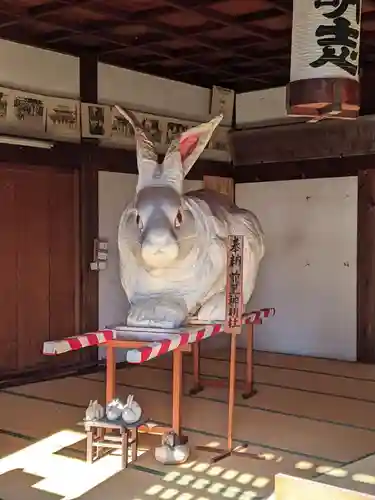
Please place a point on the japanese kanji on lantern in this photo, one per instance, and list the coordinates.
(234, 292)
(324, 69)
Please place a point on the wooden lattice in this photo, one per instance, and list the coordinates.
(239, 44)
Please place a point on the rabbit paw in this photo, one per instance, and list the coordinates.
(213, 309)
(160, 312)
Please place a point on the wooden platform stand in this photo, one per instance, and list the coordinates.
(111, 345)
(247, 383)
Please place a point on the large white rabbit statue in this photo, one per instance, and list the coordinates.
(172, 246)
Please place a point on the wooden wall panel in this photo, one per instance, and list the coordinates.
(33, 264)
(8, 259)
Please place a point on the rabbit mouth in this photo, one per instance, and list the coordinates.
(160, 256)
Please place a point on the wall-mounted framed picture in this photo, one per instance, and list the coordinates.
(95, 121)
(63, 118)
(28, 114)
(27, 111)
(5, 105)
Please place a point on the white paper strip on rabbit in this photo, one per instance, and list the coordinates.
(172, 246)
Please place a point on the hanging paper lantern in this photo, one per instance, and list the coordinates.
(324, 72)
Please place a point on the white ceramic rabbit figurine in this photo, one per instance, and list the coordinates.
(132, 412)
(94, 411)
(173, 450)
(173, 247)
(114, 409)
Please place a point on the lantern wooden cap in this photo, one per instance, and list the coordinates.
(324, 97)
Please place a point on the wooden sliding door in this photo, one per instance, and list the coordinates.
(39, 259)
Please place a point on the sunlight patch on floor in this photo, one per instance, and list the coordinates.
(203, 478)
(41, 459)
(161, 492)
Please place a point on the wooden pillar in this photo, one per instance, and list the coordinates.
(366, 267)
(89, 231)
(89, 211)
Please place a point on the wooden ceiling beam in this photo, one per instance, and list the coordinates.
(68, 156)
(307, 169)
(303, 141)
(292, 143)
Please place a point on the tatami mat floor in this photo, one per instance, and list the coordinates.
(313, 418)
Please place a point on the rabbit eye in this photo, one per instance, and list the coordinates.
(138, 221)
(178, 219)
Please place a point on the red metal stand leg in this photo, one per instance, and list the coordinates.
(177, 391)
(249, 375)
(198, 386)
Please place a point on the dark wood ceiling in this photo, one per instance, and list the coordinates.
(239, 44)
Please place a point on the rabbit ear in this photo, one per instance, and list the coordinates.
(146, 152)
(190, 144)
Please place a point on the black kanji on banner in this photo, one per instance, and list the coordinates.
(339, 7)
(339, 40)
(234, 285)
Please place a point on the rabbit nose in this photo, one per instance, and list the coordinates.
(159, 237)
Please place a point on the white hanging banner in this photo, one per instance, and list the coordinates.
(325, 39)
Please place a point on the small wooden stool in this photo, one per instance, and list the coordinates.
(98, 439)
